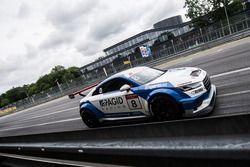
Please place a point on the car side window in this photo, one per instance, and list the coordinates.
(112, 85)
(96, 92)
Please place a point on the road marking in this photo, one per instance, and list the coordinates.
(234, 93)
(40, 116)
(56, 112)
(219, 50)
(57, 161)
(230, 72)
(42, 124)
(231, 106)
(35, 108)
(227, 84)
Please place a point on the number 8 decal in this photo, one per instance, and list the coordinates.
(133, 102)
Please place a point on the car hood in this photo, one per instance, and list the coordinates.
(179, 76)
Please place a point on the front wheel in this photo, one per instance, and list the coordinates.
(164, 108)
(89, 118)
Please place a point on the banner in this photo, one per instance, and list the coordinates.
(145, 51)
(126, 62)
(5, 110)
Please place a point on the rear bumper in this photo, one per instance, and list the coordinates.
(206, 106)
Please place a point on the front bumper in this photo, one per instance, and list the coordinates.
(206, 106)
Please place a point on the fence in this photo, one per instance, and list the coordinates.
(165, 49)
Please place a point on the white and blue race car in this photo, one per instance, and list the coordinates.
(143, 92)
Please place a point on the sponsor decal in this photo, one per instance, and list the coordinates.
(133, 102)
(111, 102)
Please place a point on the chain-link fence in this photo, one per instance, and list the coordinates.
(160, 52)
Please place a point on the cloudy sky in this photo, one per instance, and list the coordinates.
(36, 35)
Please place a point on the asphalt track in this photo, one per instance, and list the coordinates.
(228, 65)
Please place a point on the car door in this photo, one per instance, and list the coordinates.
(112, 102)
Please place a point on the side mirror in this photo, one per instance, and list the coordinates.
(100, 90)
(125, 88)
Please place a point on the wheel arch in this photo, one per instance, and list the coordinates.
(91, 108)
(165, 92)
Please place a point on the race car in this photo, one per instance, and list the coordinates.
(144, 92)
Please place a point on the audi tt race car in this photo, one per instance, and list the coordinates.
(143, 92)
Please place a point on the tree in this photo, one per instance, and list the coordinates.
(3, 102)
(32, 89)
(74, 72)
(45, 82)
(58, 73)
(16, 94)
(198, 8)
(57, 69)
(204, 12)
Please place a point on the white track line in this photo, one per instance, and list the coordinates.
(56, 112)
(42, 124)
(40, 116)
(58, 161)
(234, 93)
(225, 85)
(230, 72)
(35, 107)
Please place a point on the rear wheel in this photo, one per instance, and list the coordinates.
(89, 118)
(164, 108)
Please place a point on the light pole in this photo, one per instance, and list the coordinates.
(201, 34)
(59, 86)
(130, 62)
(172, 41)
(228, 23)
(29, 97)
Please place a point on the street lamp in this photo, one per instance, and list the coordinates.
(59, 86)
(228, 23)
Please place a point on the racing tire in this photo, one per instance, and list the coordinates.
(164, 108)
(89, 118)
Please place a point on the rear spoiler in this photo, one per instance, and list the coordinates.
(72, 96)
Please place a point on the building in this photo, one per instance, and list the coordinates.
(172, 21)
(128, 48)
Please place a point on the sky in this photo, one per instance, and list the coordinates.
(36, 35)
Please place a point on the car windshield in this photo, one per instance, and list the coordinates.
(146, 76)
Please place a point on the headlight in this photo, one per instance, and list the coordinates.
(190, 86)
(195, 73)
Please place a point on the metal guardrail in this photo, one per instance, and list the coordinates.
(201, 47)
(212, 138)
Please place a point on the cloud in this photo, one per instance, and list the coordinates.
(88, 47)
(105, 29)
(56, 39)
(37, 35)
(66, 15)
(24, 11)
(31, 51)
(70, 22)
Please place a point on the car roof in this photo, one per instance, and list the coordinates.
(129, 72)
(126, 73)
